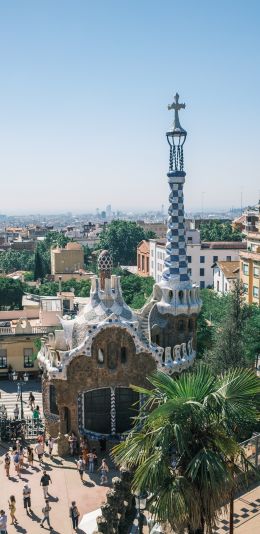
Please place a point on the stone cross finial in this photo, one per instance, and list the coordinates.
(176, 106)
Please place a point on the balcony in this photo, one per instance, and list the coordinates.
(35, 330)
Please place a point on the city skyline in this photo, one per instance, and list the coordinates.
(85, 90)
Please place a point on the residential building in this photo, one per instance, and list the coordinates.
(68, 259)
(143, 258)
(250, 265)
(200, 255)
(225, 274)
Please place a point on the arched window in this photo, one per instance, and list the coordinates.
(100, 356)
(157, 339)
(123, 355)
(181, 295)
(190, 325)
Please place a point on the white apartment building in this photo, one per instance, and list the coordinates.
(201, 257)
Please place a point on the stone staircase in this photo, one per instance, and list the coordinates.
(8, 391)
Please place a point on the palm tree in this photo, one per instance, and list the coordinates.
(182, 447)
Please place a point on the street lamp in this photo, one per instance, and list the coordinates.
(140, 503)
(25, 378)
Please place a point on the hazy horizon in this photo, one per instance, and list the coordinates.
(84, 95)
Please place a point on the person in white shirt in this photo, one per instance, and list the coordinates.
(16, 411)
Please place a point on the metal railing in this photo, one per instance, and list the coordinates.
(27, 428)
(252, 450)
(11, 330)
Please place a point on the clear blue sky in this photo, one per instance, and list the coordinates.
(84, 93)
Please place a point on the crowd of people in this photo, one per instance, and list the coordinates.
(22, 455)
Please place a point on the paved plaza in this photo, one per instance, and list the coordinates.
(66, 487)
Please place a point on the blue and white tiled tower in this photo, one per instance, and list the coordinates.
(175, 265)
(172, 313)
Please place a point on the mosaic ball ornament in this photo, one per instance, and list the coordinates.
(105, 262)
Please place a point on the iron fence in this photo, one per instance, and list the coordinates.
(252, 450)
(26, 429)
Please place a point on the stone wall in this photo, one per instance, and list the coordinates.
(119, 508)
(86, 373)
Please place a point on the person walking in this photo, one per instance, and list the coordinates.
(80, 467)
(36, 416)
(30, 456)
(39, 449)
(18, 396)
(16, 459)
(7, 464)
(74, 514)
(31, 401)
(12, 509)
(16, 411)
(103, 471)
(91, 458)
(45, 480)
(46, 514)
(3, 522)
(27, 498)
(51, 441)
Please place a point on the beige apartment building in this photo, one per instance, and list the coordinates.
(67, 260)
(250, 266)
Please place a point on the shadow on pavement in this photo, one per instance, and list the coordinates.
(20, 529)
(34, 517)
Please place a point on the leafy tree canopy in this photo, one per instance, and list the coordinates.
(11, 293)
(219, 231)
(136, 289)
(121, 239)
(81, 288)
(184, 447)
(13, 260)
(228, 330)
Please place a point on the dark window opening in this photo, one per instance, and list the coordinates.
(97, 408)
(127, 407)
(3, 358)
(123, 355)
(28, 358)
(53, 400)
(67, 420)
(157, 339)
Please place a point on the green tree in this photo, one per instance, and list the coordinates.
(13, 260)
(39, 267)
(214, 309)
(121, 239)
(251, 335)
(183, 444)
(219, 231)
(136, 289)
(228, 344)
(11, 293)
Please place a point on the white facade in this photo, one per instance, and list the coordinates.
(225, 276)
(201, 257)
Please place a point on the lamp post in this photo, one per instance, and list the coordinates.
(25, 378)
(140, 503)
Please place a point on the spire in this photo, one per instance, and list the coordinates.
(175, 263)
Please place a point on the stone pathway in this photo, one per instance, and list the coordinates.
(246, 515)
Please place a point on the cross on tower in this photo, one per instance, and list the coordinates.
(176, 106)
